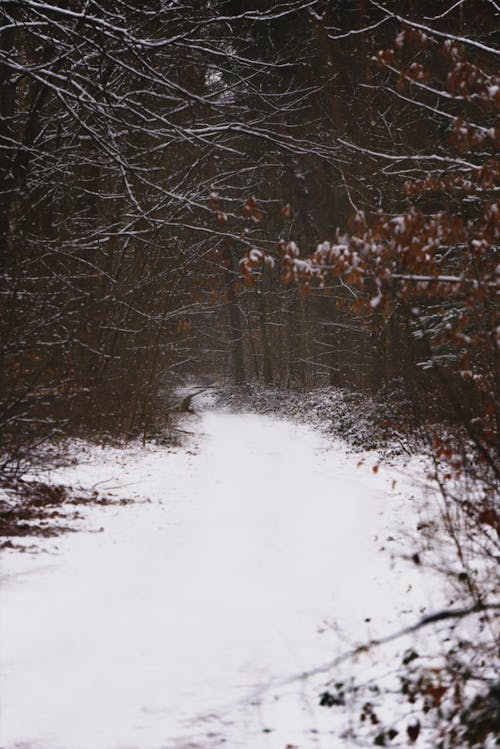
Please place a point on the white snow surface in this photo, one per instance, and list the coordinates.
(183, 621)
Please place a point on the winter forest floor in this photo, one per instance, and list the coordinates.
(205, 612)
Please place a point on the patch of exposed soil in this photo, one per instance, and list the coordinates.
(43, 510)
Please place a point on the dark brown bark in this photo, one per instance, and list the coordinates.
(234, 318)
(267, 364)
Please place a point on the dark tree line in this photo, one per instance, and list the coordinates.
(117, 124)
(297, 193)
(176, 176)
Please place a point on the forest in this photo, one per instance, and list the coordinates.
(295, 194)
(281, 197)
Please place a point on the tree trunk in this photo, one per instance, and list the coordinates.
(267, 364)
(234, 318)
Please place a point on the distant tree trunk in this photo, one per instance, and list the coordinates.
(234, 318)
(282, 359)
(305, 343)
(267, 365)
(252, 349)
(236, 337)
(7, 108)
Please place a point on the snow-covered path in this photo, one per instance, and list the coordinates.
(173, 626)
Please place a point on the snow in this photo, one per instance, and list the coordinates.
(186, 621)
(255, 255)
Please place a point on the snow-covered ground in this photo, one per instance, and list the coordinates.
(187, 621)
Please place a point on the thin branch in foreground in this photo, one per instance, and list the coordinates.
(438, 616)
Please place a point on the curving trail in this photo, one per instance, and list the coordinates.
(174, 625)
